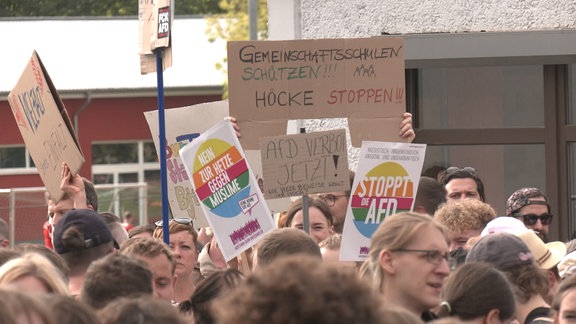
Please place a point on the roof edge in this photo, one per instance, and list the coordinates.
(133, 92)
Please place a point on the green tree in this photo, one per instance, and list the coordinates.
(233, 25)
(89, 8)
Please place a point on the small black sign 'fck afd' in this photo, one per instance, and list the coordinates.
(163, 22)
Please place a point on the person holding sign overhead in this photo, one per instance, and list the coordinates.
(79, 194)
(338, 201)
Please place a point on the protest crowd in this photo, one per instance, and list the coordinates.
(450, 260)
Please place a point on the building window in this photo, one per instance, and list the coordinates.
(150, 152)
(124, 163)
(504, 104)
(12, 157)
(571, 115)
(481, 97)
(15, 160)
(113, 153)
(502, 168)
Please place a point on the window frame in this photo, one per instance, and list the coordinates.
(27, 169)
(553, 50)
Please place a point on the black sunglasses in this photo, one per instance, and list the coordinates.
(531, 219)
(180, 220)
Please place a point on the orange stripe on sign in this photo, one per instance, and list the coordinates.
(216, 166)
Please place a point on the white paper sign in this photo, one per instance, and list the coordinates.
(227, 189)
(182, 126)
(386, 183)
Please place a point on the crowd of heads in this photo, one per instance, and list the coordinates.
(451, 260)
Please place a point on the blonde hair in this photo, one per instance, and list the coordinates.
(17, 306)
(332, 242)
(464, 215)
(148, 247)
(37, 266)
(396, 232)
(175, 227)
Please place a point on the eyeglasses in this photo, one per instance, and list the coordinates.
(531, 219)
(432, 256)
(465, 169)
(330, 200)
(180, 220)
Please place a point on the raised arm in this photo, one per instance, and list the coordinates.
(406, 130)
(73, 186)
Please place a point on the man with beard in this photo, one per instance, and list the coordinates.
(531, 206)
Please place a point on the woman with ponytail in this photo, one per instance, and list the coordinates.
(478, 293)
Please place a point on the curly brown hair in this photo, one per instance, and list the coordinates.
(300, 289)
(463, 215)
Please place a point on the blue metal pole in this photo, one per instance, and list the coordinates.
(162, 141)
(305, 208)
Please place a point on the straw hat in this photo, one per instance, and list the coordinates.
(547, 255)
(567, 265)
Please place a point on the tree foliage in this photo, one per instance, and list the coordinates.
(234, 25)
(89, 8)
(227, 19)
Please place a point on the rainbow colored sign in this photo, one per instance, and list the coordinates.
(386, 181)
(229, 193)
(384, 190)
(220, 176)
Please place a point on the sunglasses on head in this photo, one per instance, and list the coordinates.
(531, 219)
(465, 169)
(180, 220)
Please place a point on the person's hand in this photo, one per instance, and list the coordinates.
(204, 236)
(235, 125)
(73, 186)
(406, 130)
(70, 184)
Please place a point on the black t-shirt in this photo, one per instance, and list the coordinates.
(428, 316)
(539, 315)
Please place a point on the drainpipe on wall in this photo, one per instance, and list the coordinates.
(87, 100)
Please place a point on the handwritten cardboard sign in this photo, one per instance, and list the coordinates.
(302, 164)
(45, 125)
(183, 125)
(275, 205)
(385, 183)
(361, 79)
(228, 191)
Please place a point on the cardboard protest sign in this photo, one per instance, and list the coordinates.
(361, 79)
(302, 164)
(386, 183)
(229, 193)
(155, 22)
(184, 125)
(276, 205)
(45, 125)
